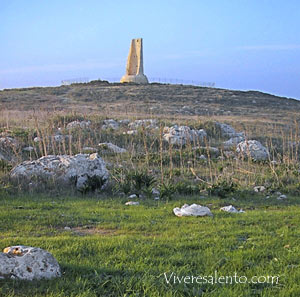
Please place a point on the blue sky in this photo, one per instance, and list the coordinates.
(245, 44)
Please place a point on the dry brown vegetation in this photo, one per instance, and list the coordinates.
(39, 112)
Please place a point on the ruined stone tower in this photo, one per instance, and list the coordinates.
(134, 67)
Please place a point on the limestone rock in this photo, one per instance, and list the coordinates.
(147, 123)
(253, 149)
(8, 146)
(281, 197)
(132, 203)
(228, 131)
(110, 124)
(180, 135)
(78, 170)
(231, 209)
(233, 141)
(133, 196)
(28, 263)
(192, 210)
(259, 189)
(78, 124)
(112, 147)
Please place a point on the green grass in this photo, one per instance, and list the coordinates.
(118, 250)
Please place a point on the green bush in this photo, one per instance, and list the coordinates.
(223, 188)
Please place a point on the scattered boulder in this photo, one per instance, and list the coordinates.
(233, 141)
(78, 124)
(124, 122)
(148, 124)
(192, 210)
(228, 131)
(110, 124)
(112, 147)
(231, 209)
(132, 203)
(180, 135)
(253, 149)
(28, 263)
(8, 145)
(81, 170)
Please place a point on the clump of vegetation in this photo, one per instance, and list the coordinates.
(134, 182)
(223, 188)
(166, 190)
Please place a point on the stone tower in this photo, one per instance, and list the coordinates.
(134, 67)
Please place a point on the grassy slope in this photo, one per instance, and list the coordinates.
(114, 250)
(152, 100)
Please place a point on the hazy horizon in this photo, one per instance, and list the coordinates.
(250, 45)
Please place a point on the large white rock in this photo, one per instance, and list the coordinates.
(112, 147)
(180, 135)
(63, 169)
(253, 149)
(28, 263)
(192, 210)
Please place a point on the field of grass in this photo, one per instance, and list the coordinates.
(108, 249)
(117, 250)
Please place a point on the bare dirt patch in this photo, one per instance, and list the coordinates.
(92, 230)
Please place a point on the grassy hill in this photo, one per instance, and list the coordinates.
(108, 249)
(153, 99)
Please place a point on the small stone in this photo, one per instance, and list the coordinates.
(28, 149)
(231, 209)
(133, 196)
(67, 228)
(259, 189)
(155, 192)
(132, 203)
(282, 197)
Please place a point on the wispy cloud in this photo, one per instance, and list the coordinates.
(88, 65)
(275, 47)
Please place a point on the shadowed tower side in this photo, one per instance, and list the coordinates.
(135, 67)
